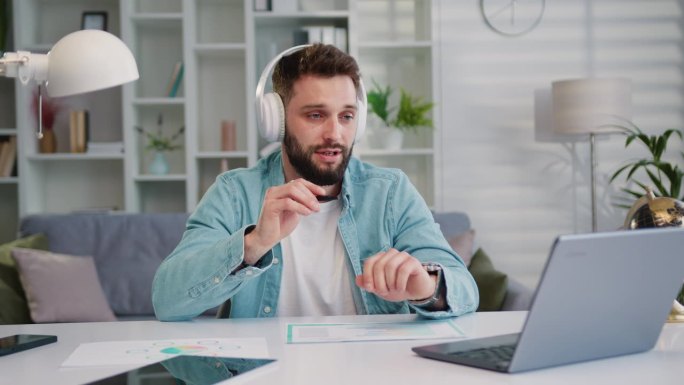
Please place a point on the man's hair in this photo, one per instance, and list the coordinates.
(318, 60)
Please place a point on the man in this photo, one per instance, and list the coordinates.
(261, 238)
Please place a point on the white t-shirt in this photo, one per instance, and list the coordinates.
(315, 278)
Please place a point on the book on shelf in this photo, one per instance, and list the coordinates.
(341, 39)
(4, 151)
(284, 6)
(78, 131)
(8, 156)
(326, 34)
(105, 148)
(175, 80)
(262, 5)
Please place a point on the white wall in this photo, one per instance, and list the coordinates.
(520, 193)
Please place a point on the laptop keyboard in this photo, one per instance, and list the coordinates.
(498, 355)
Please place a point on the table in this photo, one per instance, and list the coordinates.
(386, 362)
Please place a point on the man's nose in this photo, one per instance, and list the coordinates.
(332, 129)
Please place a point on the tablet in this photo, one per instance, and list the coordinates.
(192, 370)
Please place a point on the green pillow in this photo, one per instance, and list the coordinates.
(491, 283)
(14, 309)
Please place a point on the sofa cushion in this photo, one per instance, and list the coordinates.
(127, 249)
(491, 283)
(61, 288)
(14, 309)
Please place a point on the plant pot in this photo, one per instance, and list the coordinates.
(386, 138)
(48, 143)
(159, 164)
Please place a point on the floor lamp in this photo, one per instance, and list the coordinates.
(587, 107)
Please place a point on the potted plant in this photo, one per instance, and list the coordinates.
(159, 143)
(412, 113)
(665, 176)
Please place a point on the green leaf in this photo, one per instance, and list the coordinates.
(378, 101)
(412, 113)
(667, 178)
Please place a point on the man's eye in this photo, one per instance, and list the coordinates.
(315, 115)
(348, 117)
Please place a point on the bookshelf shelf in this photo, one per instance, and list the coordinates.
(222, 154)
(156, 17)
(161, 178)
(73, 157)
(221, 49)
(401, 152)
(395, 44)
(266, 15)
(159, 101)
(9, 180)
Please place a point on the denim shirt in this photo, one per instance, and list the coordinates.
(380, 209)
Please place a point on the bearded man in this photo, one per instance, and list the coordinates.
(311, 230)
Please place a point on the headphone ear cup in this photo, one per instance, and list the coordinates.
(272, 117)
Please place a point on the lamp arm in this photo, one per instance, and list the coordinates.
(25, 66)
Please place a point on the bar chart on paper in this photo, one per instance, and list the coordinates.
(380, 331)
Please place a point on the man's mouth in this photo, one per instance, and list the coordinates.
(329, 152)
(329, 155)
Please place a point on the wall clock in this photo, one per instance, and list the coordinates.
(512, 17)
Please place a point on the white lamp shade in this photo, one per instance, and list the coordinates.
(89, 60)
(583, 106)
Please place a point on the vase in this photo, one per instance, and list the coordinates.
(48, 143)
(159, 164)
(386, 138)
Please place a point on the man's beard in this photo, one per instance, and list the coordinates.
(300, 159)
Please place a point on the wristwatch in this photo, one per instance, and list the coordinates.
(433, 269)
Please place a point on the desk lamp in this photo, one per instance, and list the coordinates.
(82, 61)
(584, 107)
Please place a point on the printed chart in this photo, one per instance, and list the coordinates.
(149, 351)
(381, 331)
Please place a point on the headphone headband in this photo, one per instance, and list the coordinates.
(270, 110)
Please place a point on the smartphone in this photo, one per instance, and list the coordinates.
(192, 370)
(20, 342)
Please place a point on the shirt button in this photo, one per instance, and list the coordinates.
(217, 279)
(267, 309)
(276, 261)
(248, 272)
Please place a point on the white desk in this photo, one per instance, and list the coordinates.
(373, 363)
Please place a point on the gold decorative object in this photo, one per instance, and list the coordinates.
(649, 211)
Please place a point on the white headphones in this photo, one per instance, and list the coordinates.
(270, 110)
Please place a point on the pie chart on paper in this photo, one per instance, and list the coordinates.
(184, 349)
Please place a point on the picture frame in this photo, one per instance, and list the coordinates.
(94, 20)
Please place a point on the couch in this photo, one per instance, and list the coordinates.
(127, 249)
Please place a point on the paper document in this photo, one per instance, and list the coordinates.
(384, 331)
(150, 351)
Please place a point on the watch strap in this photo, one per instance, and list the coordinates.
(432, 269)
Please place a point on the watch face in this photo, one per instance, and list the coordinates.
(512, 17)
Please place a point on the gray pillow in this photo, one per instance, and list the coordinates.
(61, 288)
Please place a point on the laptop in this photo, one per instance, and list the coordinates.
(600, 295)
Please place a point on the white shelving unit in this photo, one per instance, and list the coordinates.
(8, 185)
(395, 38)
(223, 45)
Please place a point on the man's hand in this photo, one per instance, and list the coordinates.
(283, 206)
(396, 276)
